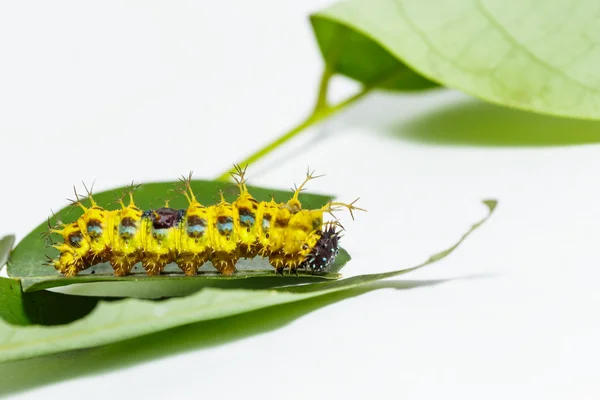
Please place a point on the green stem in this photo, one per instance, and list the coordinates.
(322, 103)
(321, 111)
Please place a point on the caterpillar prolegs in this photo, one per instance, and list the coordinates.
(290, 237)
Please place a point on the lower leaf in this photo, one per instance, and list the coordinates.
(119, 320)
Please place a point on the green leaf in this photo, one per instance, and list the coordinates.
(25, 375)
(535, 55)
(124, 319)
(42, 307)
(6, 244)
(11, 302)
(350, 52)
(26, 260)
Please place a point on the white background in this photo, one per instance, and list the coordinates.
(147, 90)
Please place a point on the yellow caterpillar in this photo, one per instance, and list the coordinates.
(289, 236)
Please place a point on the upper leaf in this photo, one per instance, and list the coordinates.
(535, 55)
(6, 244)
(355, 54)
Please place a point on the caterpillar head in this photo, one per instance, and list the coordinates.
(324, 253)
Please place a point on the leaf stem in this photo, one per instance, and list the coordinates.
(320, 112)
(322, 103)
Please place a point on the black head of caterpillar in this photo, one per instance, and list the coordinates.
(324, 253)
(289, 236)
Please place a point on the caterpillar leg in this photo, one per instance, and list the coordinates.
(281, 261)
(251, 250)
(72, 270)
(224, 262)
(281, 270)
(154, 267)
(66, 264)
(190, 262)
(189, 268)
(123, 266)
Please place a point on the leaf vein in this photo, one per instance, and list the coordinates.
(519, 46)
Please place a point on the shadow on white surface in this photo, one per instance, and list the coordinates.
(24, 375)
(459, 120)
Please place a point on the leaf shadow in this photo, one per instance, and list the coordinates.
(475, 123)
(22, 375)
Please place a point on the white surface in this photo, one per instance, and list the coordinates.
(116, 91)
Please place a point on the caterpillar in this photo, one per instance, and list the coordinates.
(289, 236)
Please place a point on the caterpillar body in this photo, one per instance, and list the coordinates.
(291, 237)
